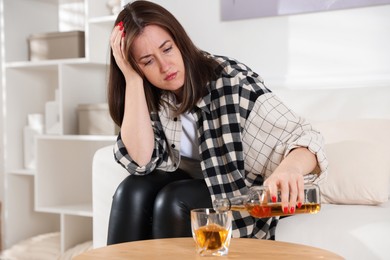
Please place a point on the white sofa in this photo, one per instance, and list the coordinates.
(354, 220)
(356, 126)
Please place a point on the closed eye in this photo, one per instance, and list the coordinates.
(148, 62)
(168, 49)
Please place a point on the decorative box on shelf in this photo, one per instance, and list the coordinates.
(56, 45)
(94, 119)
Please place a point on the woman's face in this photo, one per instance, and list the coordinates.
(159, 59)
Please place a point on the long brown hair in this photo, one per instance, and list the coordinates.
(199, 69)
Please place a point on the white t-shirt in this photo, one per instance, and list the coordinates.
(189, 147)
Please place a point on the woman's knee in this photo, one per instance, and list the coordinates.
(132, 207)
(132, 187)
(171, 214)
(186, 193)
(143, 188)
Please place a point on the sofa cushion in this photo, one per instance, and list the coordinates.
(359, 173)
(356, 232)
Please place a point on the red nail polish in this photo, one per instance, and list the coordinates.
(123, 34)
(285, 210)
(292, 210)
(299, 205)
(120, 24)
(273, 199)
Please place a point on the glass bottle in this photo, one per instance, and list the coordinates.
(258, 202)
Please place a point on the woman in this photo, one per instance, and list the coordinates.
(196, 127)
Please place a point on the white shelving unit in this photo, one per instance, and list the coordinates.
(57, 195)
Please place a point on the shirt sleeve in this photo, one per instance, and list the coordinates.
(123, 158)
(159, 154)
(272, 131)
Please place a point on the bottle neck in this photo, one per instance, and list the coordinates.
(233, 203)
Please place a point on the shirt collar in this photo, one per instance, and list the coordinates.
(204, 102)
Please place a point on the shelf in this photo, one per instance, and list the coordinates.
(28, 172)
(79, 137)
(22, 221)
(32, 65)
(64, 172)
(50, 63)
(57, 195)
(84, 210)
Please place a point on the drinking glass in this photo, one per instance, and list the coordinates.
(211, 231)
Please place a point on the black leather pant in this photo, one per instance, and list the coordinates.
(157, 205)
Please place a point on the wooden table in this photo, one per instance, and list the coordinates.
(184, 248)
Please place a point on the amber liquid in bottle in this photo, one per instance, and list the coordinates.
(273, 210)
(259, 205)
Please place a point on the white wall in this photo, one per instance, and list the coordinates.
(336, 62)
(349, 47)
(335, 46)
(260, 43)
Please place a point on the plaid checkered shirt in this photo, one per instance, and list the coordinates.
(244, 132)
